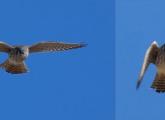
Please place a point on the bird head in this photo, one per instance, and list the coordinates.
(19, 50)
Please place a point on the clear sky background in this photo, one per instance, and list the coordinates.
(71, 85)
(138, 23)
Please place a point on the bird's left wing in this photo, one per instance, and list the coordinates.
(150, 57)
(4, 47)
(53, 46)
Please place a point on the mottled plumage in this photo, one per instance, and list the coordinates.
(155, 55)
(18, 54)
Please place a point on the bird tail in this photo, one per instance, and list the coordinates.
(14, 68)
(159, 83)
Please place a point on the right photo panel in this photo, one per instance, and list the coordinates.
(140, 60)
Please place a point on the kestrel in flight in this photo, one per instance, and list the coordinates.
(17, 54)
(155, 55)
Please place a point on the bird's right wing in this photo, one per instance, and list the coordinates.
(54, 46)
(4, 47)
(150, 57)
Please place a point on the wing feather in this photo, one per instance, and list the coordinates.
(4, 47)
(54, 46)
(150, 57)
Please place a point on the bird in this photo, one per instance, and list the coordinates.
(154, 55)
(17, 54)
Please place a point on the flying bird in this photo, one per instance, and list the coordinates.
(17, 55)
(156, 56)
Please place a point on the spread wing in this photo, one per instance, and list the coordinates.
(150, 57)
(53, 46)
(4, 47)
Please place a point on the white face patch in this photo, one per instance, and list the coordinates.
(26, 52)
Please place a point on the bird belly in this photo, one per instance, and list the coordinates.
(161, 68)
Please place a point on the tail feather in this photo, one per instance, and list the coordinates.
(14, 69)
(159, 83)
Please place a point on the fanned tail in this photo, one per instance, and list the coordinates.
(14, 69)
(159, 83)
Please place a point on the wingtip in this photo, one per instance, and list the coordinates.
(83, 44)
(138, 85)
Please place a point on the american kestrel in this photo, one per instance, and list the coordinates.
(155, 55)
(17, 54)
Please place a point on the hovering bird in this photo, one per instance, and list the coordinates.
(156, 56)
(17, 54)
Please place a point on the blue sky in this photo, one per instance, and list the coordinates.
(138, 23)
(71, 85)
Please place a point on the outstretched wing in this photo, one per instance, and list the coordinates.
(53, 46)
(150, 57)
(4, 47)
